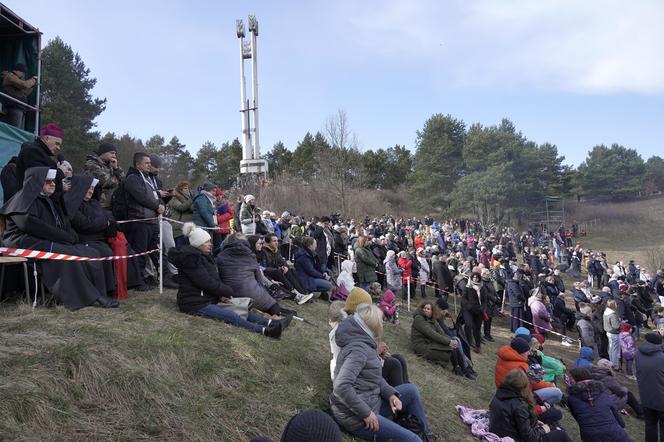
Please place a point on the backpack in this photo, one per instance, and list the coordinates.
(412, 423)
(340, 294)
(119, 206)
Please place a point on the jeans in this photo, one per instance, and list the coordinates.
(464, 362)
(552, 395)
(410, 398)
(614, 349)
(322, 285)
(253, 322)
(653, 418)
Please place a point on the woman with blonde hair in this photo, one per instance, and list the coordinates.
(512, 412)
(361, 400)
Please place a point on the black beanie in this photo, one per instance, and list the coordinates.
(442, 304)
(520, 345)
(106, 147)
(311, 426)
(20, 67)
(654, 338)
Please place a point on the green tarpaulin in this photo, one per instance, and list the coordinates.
(11, 139)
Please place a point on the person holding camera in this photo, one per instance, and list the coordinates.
(15, 85)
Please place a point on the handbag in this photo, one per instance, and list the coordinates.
(239, 306)
(412, 423)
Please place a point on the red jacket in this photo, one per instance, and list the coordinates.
(509, 359)
(223, 220)
(406, 265)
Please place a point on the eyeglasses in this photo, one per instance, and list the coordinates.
(49, 181)
(260, 242)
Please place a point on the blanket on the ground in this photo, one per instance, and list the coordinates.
(478, 421)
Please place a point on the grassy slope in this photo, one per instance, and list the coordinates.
(625, 230)
(148, 372)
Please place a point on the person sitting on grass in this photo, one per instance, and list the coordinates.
(275, 267)
(239, 270)
(361, 400)
(430, 342)
(395, 368)
(515, 355)
(450, 328)
(591, 406)
(620, 395)
(202, 293)
(553, 367)
(312, 275)
(512, 412)
(390, 307)
(585, 359)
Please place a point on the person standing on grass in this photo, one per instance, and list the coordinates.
(612, 328)
(472, 300)
(361, 400)
(650, 378)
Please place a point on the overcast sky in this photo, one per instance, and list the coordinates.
(571, 73)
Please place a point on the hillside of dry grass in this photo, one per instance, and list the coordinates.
(147, 372)
(628, 230)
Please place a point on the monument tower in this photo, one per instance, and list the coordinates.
(251, 151)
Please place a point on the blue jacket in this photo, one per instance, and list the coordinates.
(650, 375)
(308, 269)
(585, 358)
(598, 419)
(203, 211)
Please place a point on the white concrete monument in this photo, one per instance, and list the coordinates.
(251, 151)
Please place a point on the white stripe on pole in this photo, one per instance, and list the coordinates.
(161, 256)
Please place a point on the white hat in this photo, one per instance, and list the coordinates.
(51, 174)
(197, 236)
(94, 183)
(248, 198)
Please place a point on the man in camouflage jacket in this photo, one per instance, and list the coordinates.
(103, 165)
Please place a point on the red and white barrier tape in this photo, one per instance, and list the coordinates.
(38, 254)
(137, 220)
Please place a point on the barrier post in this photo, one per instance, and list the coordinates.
(455, 305)
(338, 263)
(161, 254)
(409, 293)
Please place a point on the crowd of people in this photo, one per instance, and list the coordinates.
(231, 261)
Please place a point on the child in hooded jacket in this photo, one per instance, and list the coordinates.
(390, 306)
(627, 348)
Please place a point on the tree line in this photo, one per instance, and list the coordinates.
(492, 172)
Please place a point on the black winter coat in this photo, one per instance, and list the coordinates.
(509, 416)
(92, 222)
(199, 280)
(650, 375)
(142, 200)
(472, 303)
(36, 154)
(9, 180)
